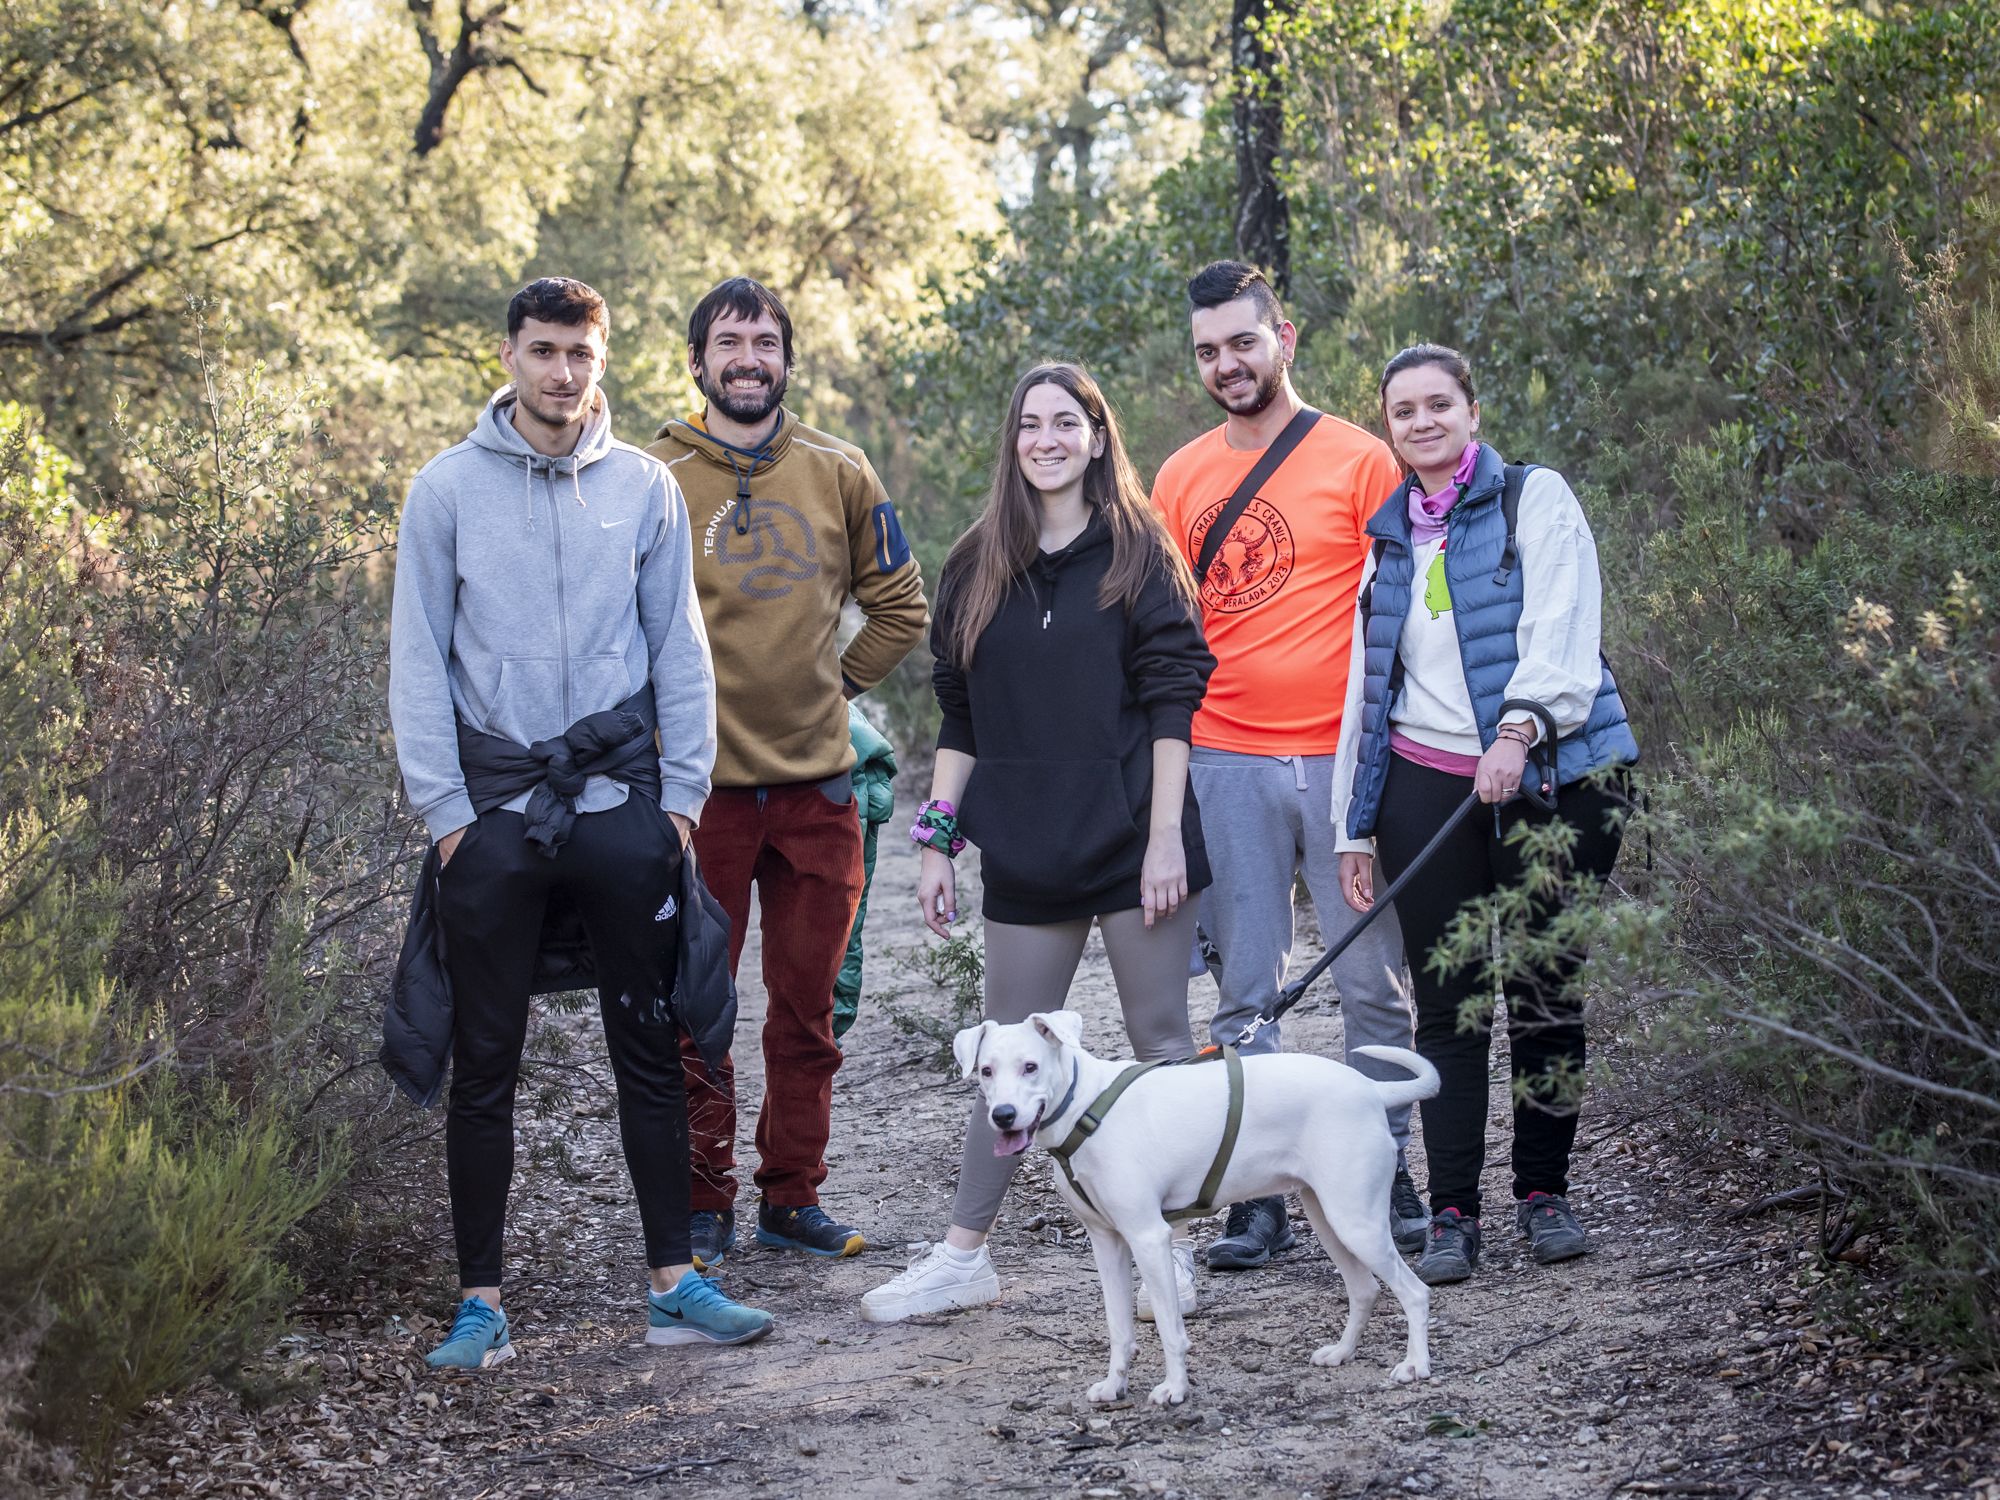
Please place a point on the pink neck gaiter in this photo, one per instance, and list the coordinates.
(1428, 512)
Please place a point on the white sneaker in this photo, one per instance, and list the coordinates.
(1183, 1283)
(933, 1283)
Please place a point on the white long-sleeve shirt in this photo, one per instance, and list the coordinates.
(1557, 639)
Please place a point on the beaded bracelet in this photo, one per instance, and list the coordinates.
(937, 828)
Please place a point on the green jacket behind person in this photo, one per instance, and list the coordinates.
(875, 795)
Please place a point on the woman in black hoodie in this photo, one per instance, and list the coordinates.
(1070, 661)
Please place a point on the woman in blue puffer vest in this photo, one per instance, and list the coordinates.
(1457, 618)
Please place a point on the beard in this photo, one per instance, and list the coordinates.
(552, 416)
(1242, 403)
(739, 406)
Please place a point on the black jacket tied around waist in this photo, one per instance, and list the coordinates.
(617, 743)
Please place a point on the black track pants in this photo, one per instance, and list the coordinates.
(618, 868)
(1543, 1028)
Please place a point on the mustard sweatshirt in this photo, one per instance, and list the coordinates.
(784, 536)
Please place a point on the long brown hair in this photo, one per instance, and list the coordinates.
(998, 547)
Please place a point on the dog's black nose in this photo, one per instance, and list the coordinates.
(1003, 1116)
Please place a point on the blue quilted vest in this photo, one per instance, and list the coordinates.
(1486, 606)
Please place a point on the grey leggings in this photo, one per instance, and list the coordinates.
(1029, 969)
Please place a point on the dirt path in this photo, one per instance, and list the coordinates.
(1676, 1360)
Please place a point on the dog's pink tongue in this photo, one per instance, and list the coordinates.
(1011, 1142)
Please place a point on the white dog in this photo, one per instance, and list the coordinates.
(1309, 1124)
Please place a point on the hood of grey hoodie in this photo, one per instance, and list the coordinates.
(496, 433)
(521, 582)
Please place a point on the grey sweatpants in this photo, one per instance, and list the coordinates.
(1266, 819)
(1029, 969)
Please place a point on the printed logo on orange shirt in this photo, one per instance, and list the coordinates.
(1253, 562)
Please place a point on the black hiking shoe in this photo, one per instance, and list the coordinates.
(710, 1234)
(1409, 1220)
(1253, 1232)
(806, 1228)
(1549, 1225)
(1452, 1251)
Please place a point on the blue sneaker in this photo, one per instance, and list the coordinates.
(807, 1228)
(478, 1339)
(696, 1312)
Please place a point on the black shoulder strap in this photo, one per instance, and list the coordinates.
(1280, 450)
(1510, 511)
(1374, 567)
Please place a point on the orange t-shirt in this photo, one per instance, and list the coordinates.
(1278, 602)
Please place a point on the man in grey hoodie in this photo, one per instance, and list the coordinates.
(545, 622)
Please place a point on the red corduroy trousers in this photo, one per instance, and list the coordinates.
(803, 853)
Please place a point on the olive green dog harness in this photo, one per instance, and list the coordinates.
(1087, 1124)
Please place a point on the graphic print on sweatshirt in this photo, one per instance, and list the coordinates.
(1253, 561)
(1437, 591)
(775, 548)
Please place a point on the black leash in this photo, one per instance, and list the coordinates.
(1543, 796)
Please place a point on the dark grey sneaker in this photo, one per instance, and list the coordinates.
(1253, 1232)
(807, 1228)
(710, 1234)
(1452, 1250)
(1549, 1225)
(1409, 1220)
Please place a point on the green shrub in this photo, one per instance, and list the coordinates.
(190, 772)
(1834, 882)
(955, 971)
(144, 1245)
(1807, 919)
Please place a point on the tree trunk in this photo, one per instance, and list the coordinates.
(1263, 218)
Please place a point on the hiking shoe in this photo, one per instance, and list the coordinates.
(1183, 1283)
(1408, 1218)
(1252, 1232)
(1549, 1225)
(696, 1312)
(710, 1234)
(806, 1228)
(1452, 1251)
(477, 1341)
(939, 1280)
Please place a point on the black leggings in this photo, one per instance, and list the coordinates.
(1544, 1027)
(619, 867)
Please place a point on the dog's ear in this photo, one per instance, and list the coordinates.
(965, 1047)
(1063, 1028)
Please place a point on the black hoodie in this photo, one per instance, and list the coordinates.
(1060, 708)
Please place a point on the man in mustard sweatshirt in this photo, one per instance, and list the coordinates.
(789, 524)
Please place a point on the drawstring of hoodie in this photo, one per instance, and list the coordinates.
(760, 457)
(740, 516)
(575, 471)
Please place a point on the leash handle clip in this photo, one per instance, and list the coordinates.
(1249, 1033)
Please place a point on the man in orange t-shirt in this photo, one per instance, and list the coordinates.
(1278, 607)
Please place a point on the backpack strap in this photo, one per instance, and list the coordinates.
(1374, 567)
(1510, 511)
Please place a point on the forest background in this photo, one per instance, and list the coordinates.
(1730, 264)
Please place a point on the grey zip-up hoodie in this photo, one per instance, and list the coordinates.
(531, 591)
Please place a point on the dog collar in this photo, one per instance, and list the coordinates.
(1057, 1113)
